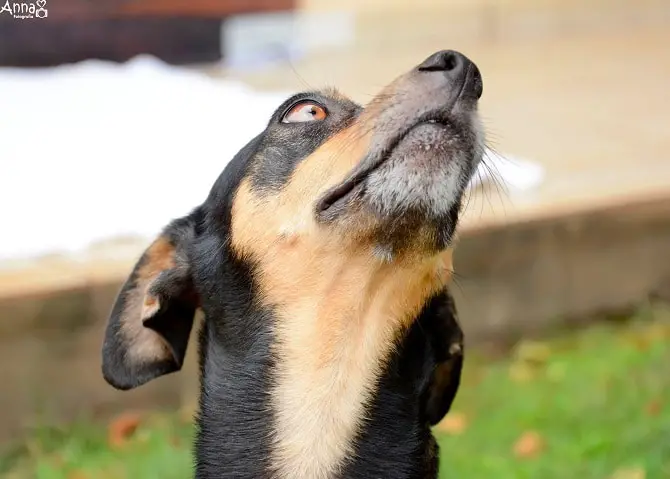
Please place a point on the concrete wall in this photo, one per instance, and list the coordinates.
(512, 279)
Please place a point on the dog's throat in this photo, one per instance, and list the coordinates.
(331, 348)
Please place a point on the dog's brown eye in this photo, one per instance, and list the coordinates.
(303, 112)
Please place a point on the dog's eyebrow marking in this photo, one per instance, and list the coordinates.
(338, 311)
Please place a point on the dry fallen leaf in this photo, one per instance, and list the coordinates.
(638, 339)
(533, 352)
(122, 428)
(77, 475)
(658, 331)
(530, 359)
(654, 407)
(521, 372)
(453, 423)
(529, 444)
(175, 441)
(642, 343)
(629, 473)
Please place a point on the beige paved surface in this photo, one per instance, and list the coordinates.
(594, 109)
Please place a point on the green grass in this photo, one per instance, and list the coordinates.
(599, 399)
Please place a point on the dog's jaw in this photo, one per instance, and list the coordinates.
(428, 171)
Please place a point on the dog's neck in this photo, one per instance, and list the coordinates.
(328, 329)
(334, 342)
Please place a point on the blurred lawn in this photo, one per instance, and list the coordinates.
(591, 404)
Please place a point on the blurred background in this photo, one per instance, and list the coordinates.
(117, 115)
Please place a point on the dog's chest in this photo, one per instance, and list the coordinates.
(320, 403)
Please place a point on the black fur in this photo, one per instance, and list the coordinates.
(235, 360)
(396, 442)
(236, 369)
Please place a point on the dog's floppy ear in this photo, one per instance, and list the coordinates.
(151, 320)
(448, 348)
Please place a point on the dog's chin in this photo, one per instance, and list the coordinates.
(413, 195)
(424, 176)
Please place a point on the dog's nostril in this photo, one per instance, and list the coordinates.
(450, 61)
(444, 61)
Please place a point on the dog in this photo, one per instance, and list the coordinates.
(321, 260)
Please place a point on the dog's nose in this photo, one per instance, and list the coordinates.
(457, 67)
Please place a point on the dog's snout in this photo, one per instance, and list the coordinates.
(456, 67)
(445, 61)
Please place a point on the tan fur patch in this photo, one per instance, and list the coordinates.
(339, 308)
(159, 257)
(146, 345)
(333, 342)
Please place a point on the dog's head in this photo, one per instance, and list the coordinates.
(331, 201)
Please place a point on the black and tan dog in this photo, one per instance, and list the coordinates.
(321, 260)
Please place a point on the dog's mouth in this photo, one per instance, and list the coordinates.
(336, 198)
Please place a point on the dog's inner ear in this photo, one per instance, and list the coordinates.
(150, 323)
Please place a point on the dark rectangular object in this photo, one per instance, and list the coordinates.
(173, 40)
(92, 9)
(176, 31)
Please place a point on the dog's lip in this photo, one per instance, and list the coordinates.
(340, 192)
